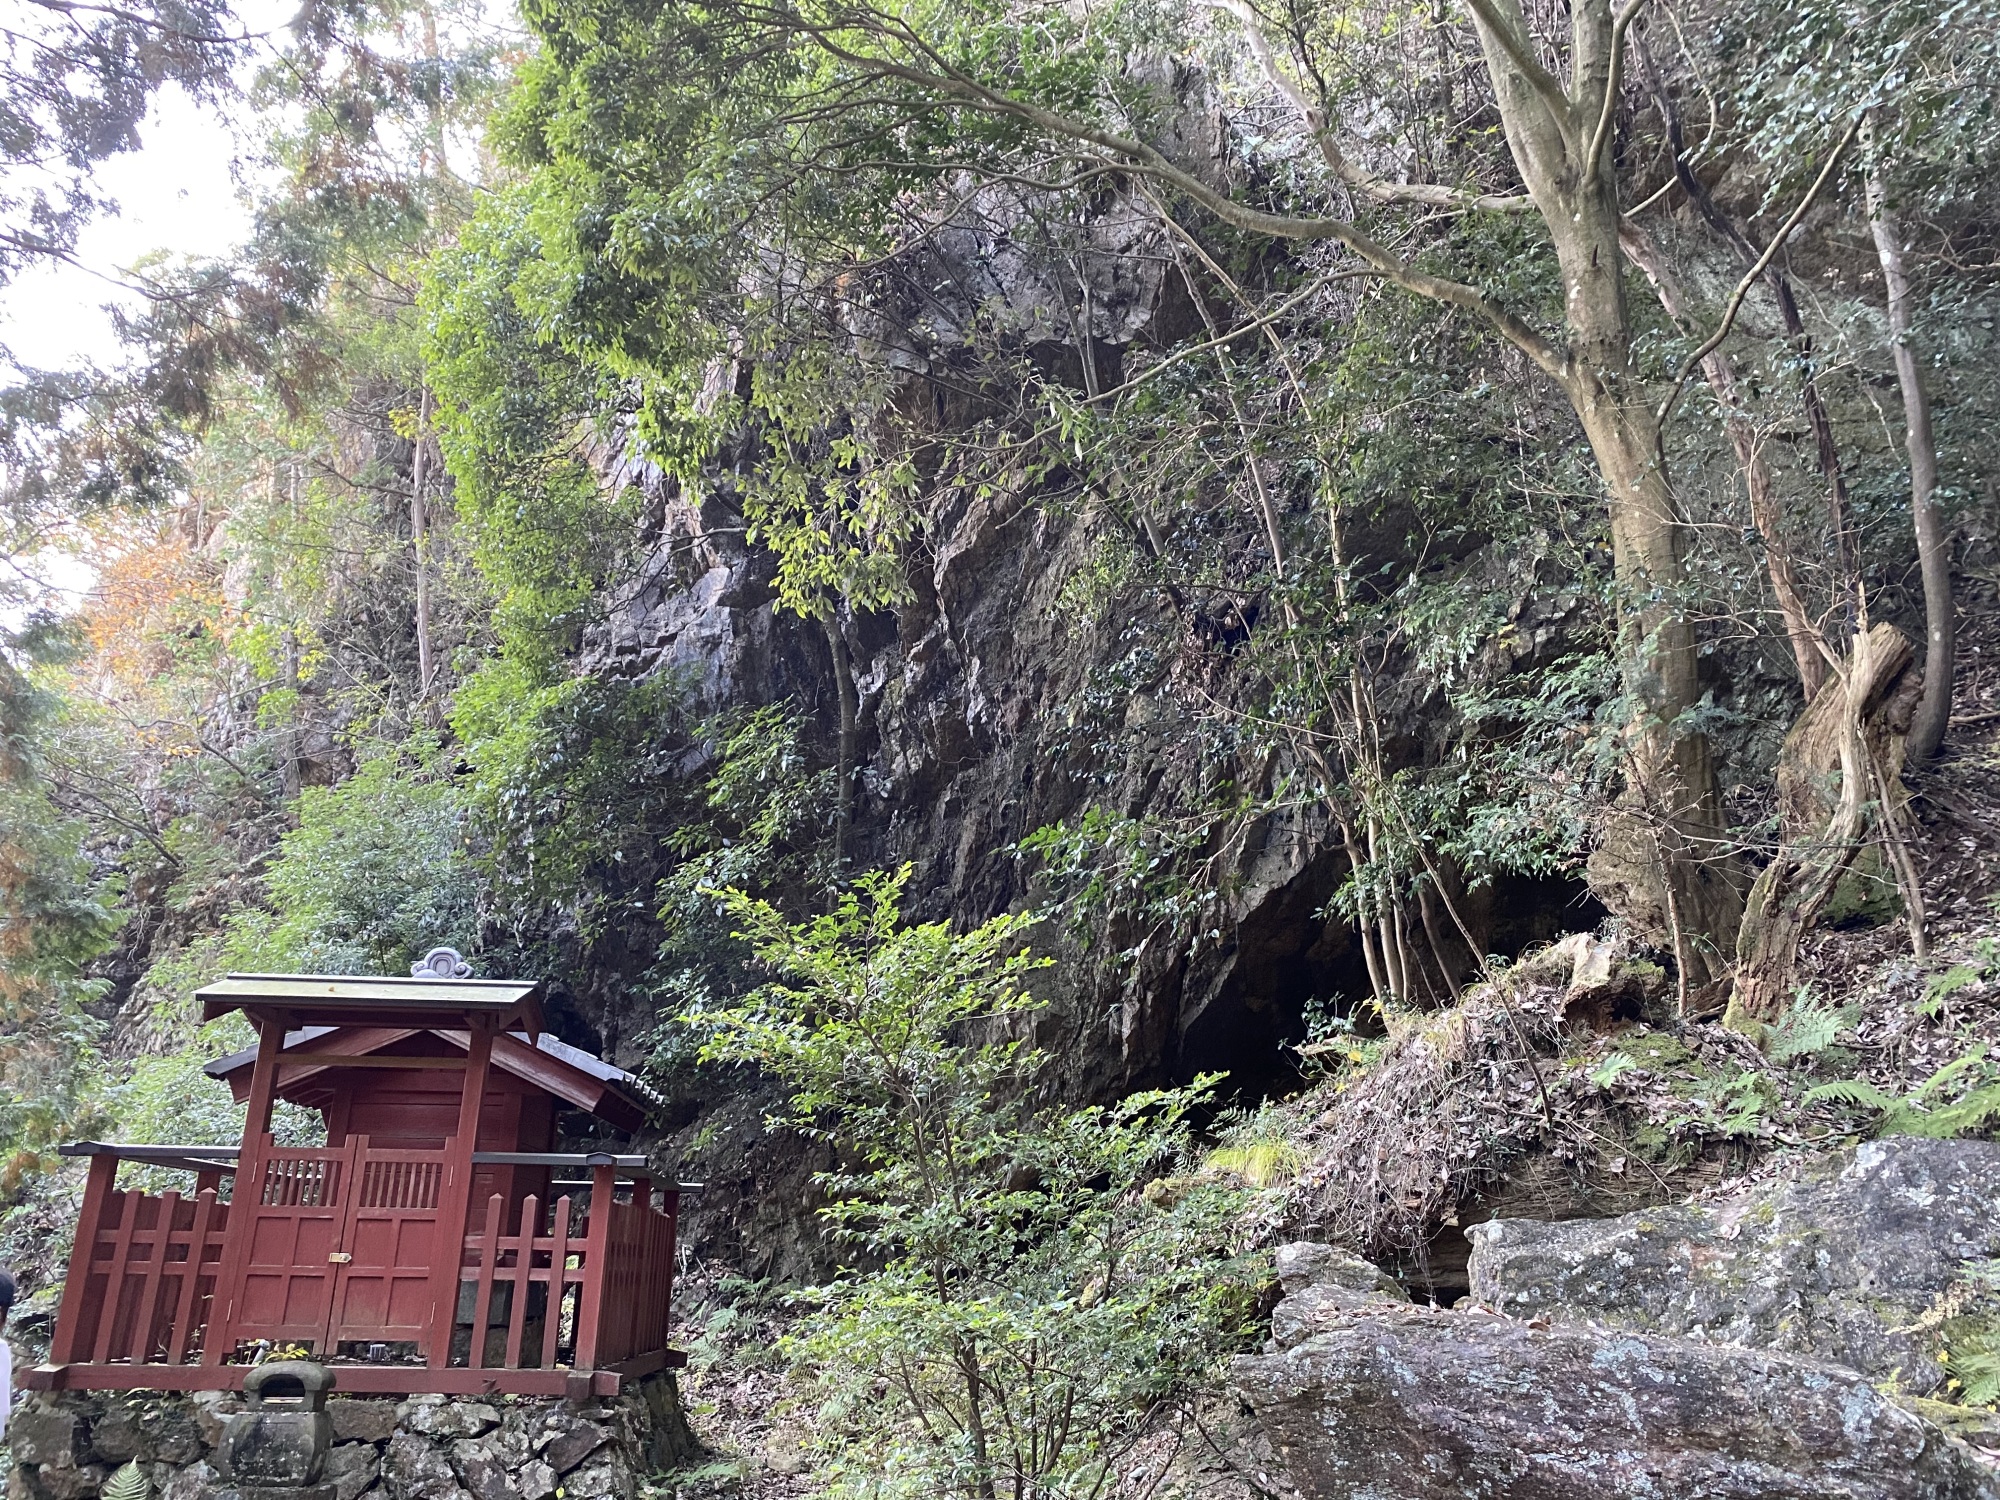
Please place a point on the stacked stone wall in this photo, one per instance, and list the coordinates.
(66, 1446)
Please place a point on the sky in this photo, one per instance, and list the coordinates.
(176, 193)
(186, 193)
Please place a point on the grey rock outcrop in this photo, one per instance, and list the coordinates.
(1424, 1404)
(1324, 1285)
(1743, 1348)
(1841, 1264)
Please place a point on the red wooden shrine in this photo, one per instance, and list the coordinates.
(428, 1246)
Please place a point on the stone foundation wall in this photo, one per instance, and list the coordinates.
(66, 1446)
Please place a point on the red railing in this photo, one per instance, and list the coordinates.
(142, 1276)
(634, 1286)
(592, 1293)
(333, 1249)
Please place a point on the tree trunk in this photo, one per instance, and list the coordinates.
(419, 532)
(1765, 513)
(1825, 450)
(1842, 759)
(1662, 861)
(289, 749)
(843, 678)
(1933, 545)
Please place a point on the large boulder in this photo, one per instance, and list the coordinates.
(1842, 1264)
(1417, 1403)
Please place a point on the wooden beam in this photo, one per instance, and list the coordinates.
(357, 1380)
(591, 1312)
(184, 1158)
(642, 1365)
(76, 1288)
(363, 1060)
(264, 1077)
(455, 1202)
(219, 1342)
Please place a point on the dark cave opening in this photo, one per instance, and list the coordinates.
(1245, 1002)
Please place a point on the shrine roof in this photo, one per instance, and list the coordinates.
(577, 1077)
(375, 1000)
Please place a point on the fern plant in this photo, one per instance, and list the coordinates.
(1855, 1091)
(1808, 1028)
(1260, 1163)
(1940, 987)
(1255, 1146)
(1974, 1364)
(129, 1483)
(1915, 1113)
(1612, 1068)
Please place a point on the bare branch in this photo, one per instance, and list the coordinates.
(1600, 138)
(1520, 51)
(1371, 184)
(1149, 162)
(1756, 272)
(1257, 325)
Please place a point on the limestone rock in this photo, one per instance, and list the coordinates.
(1837, 1265)
(487, 1466)
(1323, 1285)
(196, 1482)
(65, 1481)
(351, 1468)
(564, 1442)
(1422, 1404)
(1315, 1309)
(414, 1469)
(1304, 1263)
(357, 1419)
(149, 1429)
(448, 1419)
(603, 1478)
(536, 1480)
(41, 1433)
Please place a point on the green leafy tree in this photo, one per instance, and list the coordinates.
(776, 156)
(55, 919)
(1924, 80)
(375, 874)
(1032, 1303)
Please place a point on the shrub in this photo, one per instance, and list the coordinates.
(1031, 1305)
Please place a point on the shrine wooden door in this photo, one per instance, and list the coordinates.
(293, 1238)
(382, 1291)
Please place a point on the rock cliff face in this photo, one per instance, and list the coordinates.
(971, 739)
(1746, 1348)
(991, 704)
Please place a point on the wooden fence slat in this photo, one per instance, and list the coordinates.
(149, 1302)
(551, 1349)
(114, 1279)
(482, 1298)
(596, 1268)
(524, 1262)
(83, 1253)
(183, 1326)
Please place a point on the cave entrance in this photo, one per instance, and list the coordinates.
(1245, 1002)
